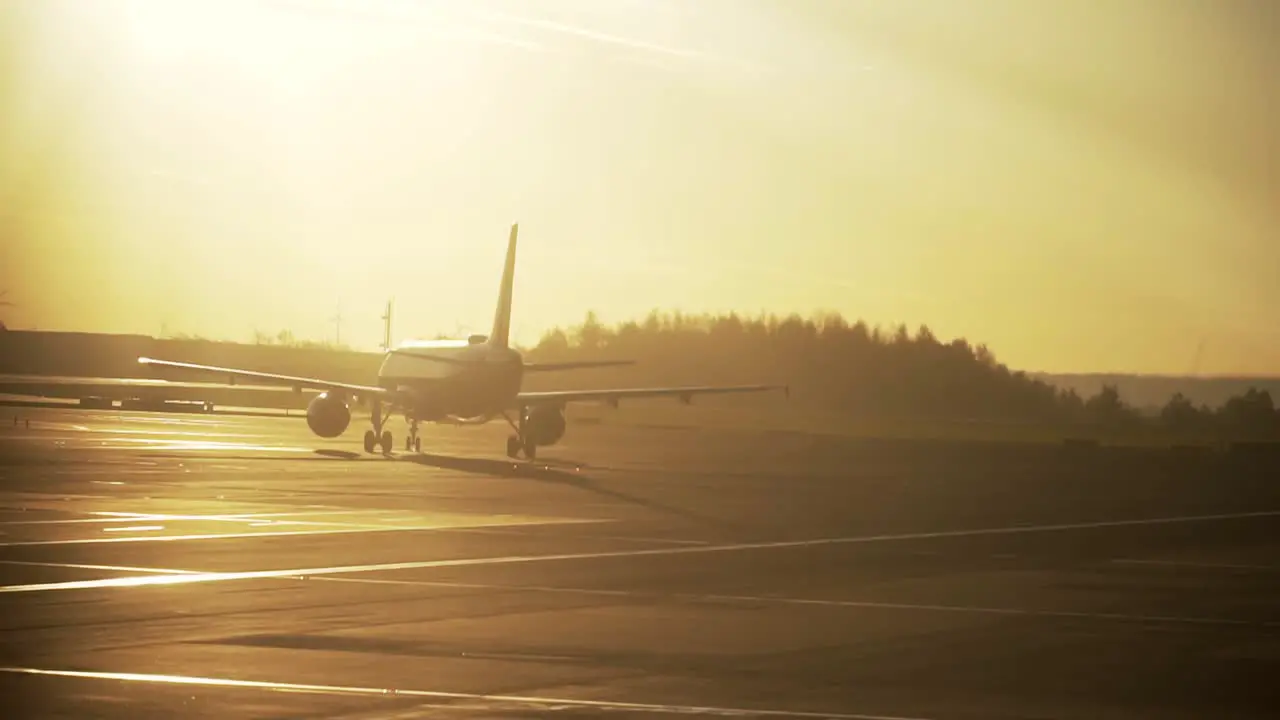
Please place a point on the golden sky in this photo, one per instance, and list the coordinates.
(1082, 186)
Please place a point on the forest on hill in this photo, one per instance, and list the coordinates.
(835, 369)
(848, 368)
(1149, 393)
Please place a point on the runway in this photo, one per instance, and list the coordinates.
(174, 565)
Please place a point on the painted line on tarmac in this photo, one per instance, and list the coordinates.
(144, 445)
(366, 529)
(683, 550)
(147, 445)
(105, 518)
(519, 531)
(108, 568)
(309, 510)
(110, 516)
(720, 598)
(493, 702)
(813, 602)
(158, 432)
(1198, 565)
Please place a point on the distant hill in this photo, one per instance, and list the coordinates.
(82, 354)
(1153, 391)
(874, 363)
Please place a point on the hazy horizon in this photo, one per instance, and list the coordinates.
(1082, 189)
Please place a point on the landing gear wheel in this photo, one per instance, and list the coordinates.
(370, 441)
(408, 443)
(513, 447)
(386, 441)
(417, 445)
(530, 450)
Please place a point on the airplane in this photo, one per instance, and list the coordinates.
(469, 381)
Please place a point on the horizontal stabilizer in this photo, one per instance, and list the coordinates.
(438, 358)
(544, 367)
(612, 396)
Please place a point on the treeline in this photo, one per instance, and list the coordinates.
(4, 303)
(283, 339)
(286, 338)
(854, 369)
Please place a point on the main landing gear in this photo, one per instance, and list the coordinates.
(372, 441)
(378, 436)
(520, 441)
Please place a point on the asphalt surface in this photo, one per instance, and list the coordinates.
(170, 565)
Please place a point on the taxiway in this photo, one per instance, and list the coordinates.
(173, 565)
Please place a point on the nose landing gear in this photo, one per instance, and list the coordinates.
(413, 443)
(520, 441)
(515, 446)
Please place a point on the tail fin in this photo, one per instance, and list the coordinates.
(502, 316)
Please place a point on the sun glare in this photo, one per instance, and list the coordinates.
(902, 162)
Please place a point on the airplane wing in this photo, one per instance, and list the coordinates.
(292, 381)
(75, 387)
(528, 367)
(612, 397)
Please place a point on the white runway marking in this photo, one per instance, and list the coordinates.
(165, 432)
(81, 443)
(705, 597)
(545, 704)
(127, 517)
(133, 528)
(619, 538)
(289, 533)
(861, 604)
(683, 550)
(1198, 565)
(109, 568)
(192, 445)
(320, 510)
(112, 471)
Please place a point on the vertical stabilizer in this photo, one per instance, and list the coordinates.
(502, 317)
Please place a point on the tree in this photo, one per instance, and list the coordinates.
(925, 336)
(839, 367)
(4, 303)
(1106, 408)
(555, 341)
(1180, 415)
(591, 334)
(1071, 404)
(1252, 413)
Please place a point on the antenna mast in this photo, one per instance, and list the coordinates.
(386, 327)
(337, 325)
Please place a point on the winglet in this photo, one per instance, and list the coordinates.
(502, 316)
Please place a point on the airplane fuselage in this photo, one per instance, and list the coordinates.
(458, 379)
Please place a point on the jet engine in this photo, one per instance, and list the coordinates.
(544, 425)
(328, 415)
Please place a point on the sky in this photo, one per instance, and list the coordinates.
(1082, 186)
